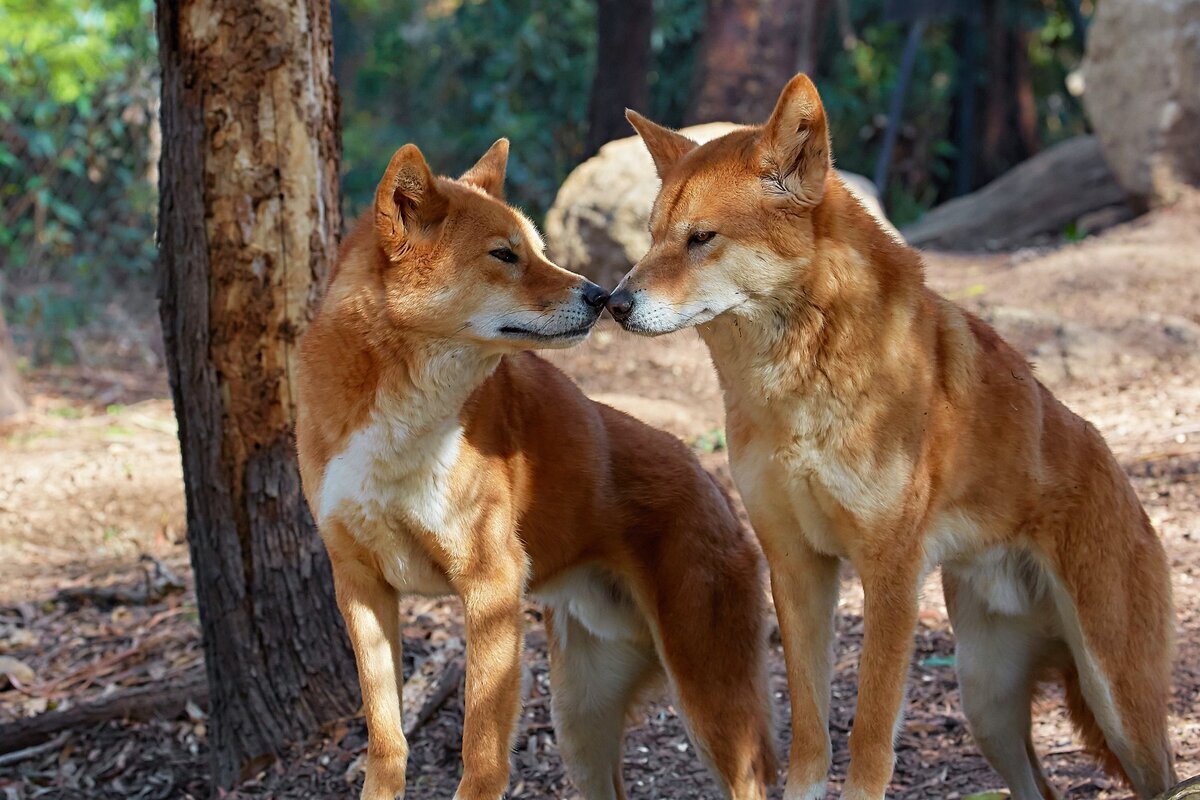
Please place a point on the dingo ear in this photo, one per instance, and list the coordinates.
(665, 145)
(488, 172)
(795, 144)
(407, 202)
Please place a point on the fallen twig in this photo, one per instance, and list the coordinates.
(143, 703)
(17, 756)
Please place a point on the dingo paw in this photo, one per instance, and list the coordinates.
(385, 778)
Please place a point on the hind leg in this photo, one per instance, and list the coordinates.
(997, 656)
(593, 682)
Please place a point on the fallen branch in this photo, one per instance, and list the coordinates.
(158, 581)
(160, 701)
(446, 686)
(1037, 198)
(432, 682)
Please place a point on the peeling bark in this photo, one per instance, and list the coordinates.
(248, 225)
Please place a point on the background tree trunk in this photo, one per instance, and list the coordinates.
(807, 26)
(12, 399)
(248, 224)
(749, 50)
(623, 29)
(1007, 108)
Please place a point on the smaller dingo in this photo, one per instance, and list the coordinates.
(871, 420)
(438, 458)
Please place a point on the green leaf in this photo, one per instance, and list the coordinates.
(938, 661)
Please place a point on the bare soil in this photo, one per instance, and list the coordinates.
(91, 518)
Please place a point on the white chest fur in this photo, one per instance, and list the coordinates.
(387, 486)
(392, 485)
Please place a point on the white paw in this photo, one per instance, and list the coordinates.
(814, 791)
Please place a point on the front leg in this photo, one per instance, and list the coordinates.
(492, 598)
(371, 609)
(890, 588)
(804, 585)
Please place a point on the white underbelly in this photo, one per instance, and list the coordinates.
(1008, 580)
(595, 598)
(409, 570)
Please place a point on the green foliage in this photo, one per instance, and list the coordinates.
(78, 199)
(1053, 55)
(861, 80)
(857, 78)
(64, 49)
(678, 25)
(77, 96)
(711, 442)
(453, 75)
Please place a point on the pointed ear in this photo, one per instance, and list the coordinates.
(488, 172)
(407, 202)
(665, 145)
(794, 147)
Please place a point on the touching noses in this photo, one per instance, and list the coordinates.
(620, 303)
(594, 295)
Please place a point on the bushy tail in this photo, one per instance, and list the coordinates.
(1089, 730)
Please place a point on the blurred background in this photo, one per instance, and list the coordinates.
(990, 86)
(1042, 154)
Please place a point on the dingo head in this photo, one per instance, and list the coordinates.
(453, 261)
(733, 219)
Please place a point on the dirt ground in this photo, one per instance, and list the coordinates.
(95, 591)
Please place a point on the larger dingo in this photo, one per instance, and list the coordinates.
(871, 420)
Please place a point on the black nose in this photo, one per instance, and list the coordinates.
(594, 295)
(620, 304)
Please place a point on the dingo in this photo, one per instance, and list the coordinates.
(438, 458)
(870, 419)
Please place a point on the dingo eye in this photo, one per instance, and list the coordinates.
(504, 254)
(700, 237)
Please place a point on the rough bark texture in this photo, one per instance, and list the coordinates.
(248, 224)
(623, 29)
(11, 398)
(749, 50)
(1040, 197)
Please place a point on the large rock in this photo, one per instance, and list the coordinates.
(598, 223)
(1038, 198)
(1142, 93)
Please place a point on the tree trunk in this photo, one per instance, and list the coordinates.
(12, 399)
(1008, 110)
(623, 29)
(248, 225)
(808, 24)
(749, 50)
